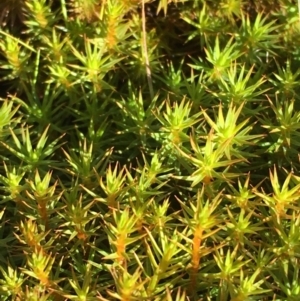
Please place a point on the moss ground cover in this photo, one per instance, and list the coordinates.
(149, 150)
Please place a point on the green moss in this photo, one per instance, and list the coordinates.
(150, 150)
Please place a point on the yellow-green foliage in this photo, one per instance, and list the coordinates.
(149, 150)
